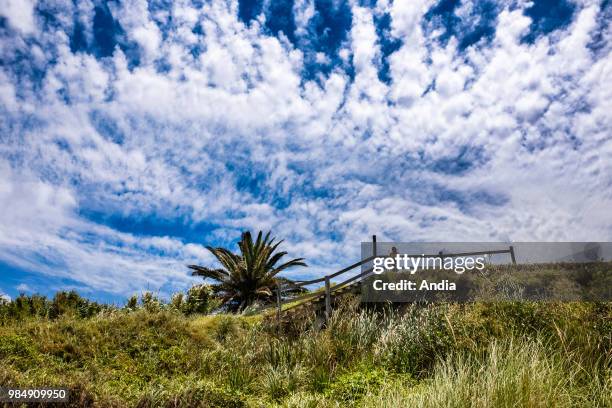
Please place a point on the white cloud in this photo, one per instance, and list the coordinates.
(148, 38)
(20, 14)
(304, 11)
(40, 230)
(349, 157)
(23, 288)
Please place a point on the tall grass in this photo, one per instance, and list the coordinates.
(498, 354)
(511, 373)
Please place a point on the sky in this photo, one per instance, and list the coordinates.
(134, 133)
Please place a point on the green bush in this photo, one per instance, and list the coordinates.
(199, 299)
(73, 304)
(132, 303)
(193, 395)
(157, 356)
(13, 346)
(150, 302)
(63, 303)
(352, 386)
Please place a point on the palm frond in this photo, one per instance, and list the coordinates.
(216, 274)
(291, 263)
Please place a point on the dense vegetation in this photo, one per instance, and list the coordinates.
(151, 354)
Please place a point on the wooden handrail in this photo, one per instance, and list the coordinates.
(302, 297)
(348, 268)
(362, 275)
(332, 289)
(333, 275)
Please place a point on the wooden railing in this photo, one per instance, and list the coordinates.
(329, 289)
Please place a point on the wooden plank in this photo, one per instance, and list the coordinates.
(301, 304)
(333, 275)
(362, 275)
(438, 255)
(327, 298)
(303, 297)
(278, 303)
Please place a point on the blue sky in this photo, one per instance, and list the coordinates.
(133, 133)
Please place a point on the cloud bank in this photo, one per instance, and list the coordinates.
(133, 133)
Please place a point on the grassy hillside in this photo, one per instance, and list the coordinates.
(497, 354)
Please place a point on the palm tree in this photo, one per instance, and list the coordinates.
(250, 276)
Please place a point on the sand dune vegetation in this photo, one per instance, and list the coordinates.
(171, 354)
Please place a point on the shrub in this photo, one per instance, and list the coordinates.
(409, 343)
(63, 303)
(13, 346)
(132, 303)
(352, 386)
(177, 301)
(200, 299)
(73, 304)
(196, 394)
(150, 302)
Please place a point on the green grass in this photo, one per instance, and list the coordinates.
(511, 373)
(482, 354)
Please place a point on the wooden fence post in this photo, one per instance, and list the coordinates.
(374, 245)
(278, 302)
(512, 255)
(327, 298)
